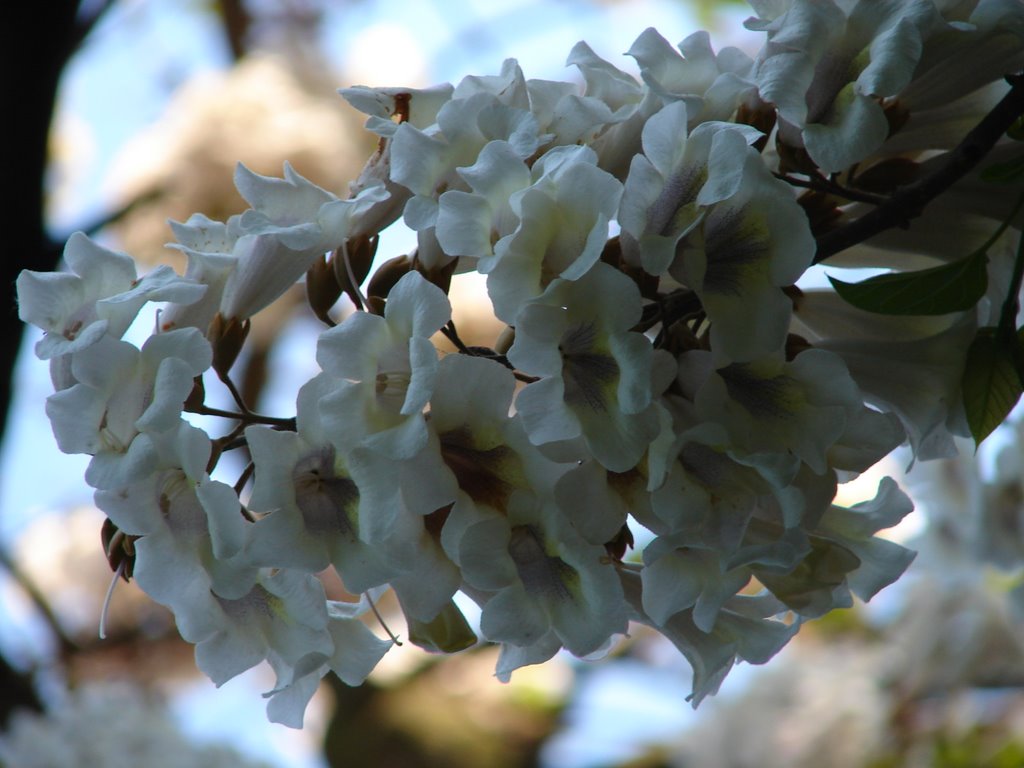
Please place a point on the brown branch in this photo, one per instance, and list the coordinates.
(236, 22)
(65, 643)
(908, 202)
(91, 228)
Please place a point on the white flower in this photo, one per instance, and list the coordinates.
(485, 461)
(302, 216)
(100, 297)
(827, 68)
(282, 618)
(560, 233)
(312, 503)
(425, 161)
(881, 561)
(747, 248)
(741, 631)
(711, 85)
(389, 106)
(356, 652)
(919, 380)
(559, 584)
(385, 368)
(191, 532)
(595, 373)
(469, 223)
(121, 393)
(630, 102)
(796, 410)
(660, 201)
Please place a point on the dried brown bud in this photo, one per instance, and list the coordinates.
(197, 397)
(322, 288)
(794, 159)
(439, 276)
(761, 116)
(226, 337)
(896, 115)
(822, 210)
(623, 540)
(389, 273)
(119, 548)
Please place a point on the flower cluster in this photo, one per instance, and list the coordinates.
(662, 383)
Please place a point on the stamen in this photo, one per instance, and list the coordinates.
(380, 618)
(106, 600)
(352, 274)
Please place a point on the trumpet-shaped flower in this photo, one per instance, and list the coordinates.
(827, 67)
(595, 373)
(311, 501)
(191, 532)
(425, 161)
(283, 618)
(749, 246)
(660, 203)
(122, 392)
(786, 411)
(712, 85)
(385, 368)
(470, 223)
(560, 233)
(101, 296)
(560, 584)
(356, 652)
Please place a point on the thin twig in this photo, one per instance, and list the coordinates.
(250, 417)
(821, 184)
(94, 226)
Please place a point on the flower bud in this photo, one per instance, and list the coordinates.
(226, 337)
(119, 548)
(322, 288)
(389, 273)
(761, 116)
(440, 276)
(197, 397)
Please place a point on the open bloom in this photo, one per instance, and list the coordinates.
(385, 369)
(595, 372)
(101, 296)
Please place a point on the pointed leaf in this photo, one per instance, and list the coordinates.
(447, 633)
(991, 382)
(937, 291)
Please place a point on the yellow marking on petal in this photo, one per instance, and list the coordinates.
(487, 472)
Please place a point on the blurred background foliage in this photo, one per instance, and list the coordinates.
(930, 678)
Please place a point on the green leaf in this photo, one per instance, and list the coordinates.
(937, 291)
(447, 633)
(992, 381)
(1009, 172)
